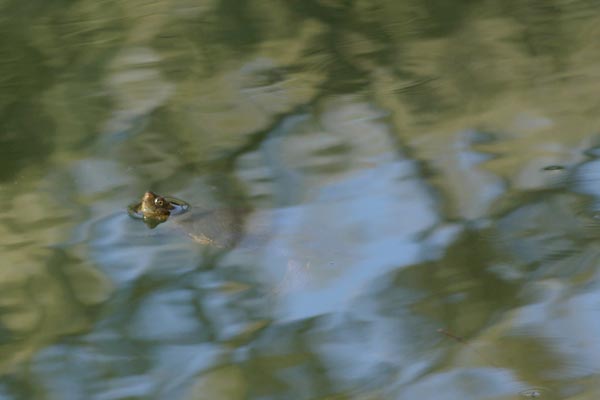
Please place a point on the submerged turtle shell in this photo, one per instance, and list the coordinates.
(221, 228)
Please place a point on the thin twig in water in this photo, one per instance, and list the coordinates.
(465, 343)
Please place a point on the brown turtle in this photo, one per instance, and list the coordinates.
(220, 228)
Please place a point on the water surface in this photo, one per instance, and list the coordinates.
(427, 174)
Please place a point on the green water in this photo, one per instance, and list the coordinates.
(423, 176)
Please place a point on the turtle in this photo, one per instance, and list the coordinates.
(219, 228)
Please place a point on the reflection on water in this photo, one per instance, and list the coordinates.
(422, 179)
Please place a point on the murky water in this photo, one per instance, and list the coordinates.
(423, 176)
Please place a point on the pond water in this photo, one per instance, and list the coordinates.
(424, 176)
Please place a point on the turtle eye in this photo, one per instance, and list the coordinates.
(159, 202)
